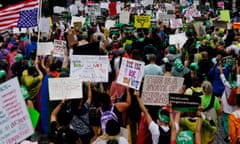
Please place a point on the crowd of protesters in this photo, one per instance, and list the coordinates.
(107, 107)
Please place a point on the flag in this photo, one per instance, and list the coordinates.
(23, 14)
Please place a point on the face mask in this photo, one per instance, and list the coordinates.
(165, 128)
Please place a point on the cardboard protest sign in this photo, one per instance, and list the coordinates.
(86, 49)
(76, 19)
(228, 60)
(15, 121)
(179, 38)
(44, 48)
(65, 88)
(156, 89)
(176, 23)
(44, 25)
(59, 48)
(71, 40)
(184, 103)
(220, 24)
(124, 17)
(200, 30)
(90, 67)
(142, 21)
(131, 73)
(225, 15)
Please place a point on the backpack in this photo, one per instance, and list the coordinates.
(106, 116)
(209, 111)
(195, 93)
(164, 137)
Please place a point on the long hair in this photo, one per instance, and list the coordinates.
(207, 88)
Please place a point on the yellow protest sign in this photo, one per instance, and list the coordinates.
(142, 21)
(225, 15)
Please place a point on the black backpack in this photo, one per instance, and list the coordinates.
(164, 137)
(194, 93)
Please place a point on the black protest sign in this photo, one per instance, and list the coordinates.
(220, 24)
(184, 103)
(115, 30)
(87, 49)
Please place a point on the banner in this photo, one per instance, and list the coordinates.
(44, 48)
(124, 17)
(14, 118)
(156, 89)
(176, 23)
(65, 88)
(142, 21)
(92, 68)
(184, 103)
(131, 73)
(176, 39)
(59, 48)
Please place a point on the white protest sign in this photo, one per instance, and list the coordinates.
(44, 48)
(15, 124)
(89, 67)
(44, 25)
(58, 9)
(164, 17)
(19, 30)
(104, 5)
(77, 19)
(109, 24)
(93, 11)
(65, 88)
(119, 7)
(176, 23)
(131, 73)
(147, 2)
(192, 12)
(59, 48)
(179, 38)
(124, 17)
(156, 88)
(73, 9)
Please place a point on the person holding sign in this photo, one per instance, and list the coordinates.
(62, 133)
(161, 130)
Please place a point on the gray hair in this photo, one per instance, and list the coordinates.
(207, 88)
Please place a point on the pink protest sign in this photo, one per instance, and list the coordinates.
(220, 4)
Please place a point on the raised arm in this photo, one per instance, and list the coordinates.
(89, 99)
(143, 108)
(56, 111)
(123, 106)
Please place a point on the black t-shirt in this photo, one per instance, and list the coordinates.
(62, 135)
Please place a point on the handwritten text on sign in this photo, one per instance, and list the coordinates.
(90, 68)
(64, 88)
(131, 73)
(15, 124)
(156, 88)
(176, 23)
(59, 48)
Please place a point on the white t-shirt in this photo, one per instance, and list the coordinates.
(121, 140)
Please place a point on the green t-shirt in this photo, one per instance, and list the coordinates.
(206, 101)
